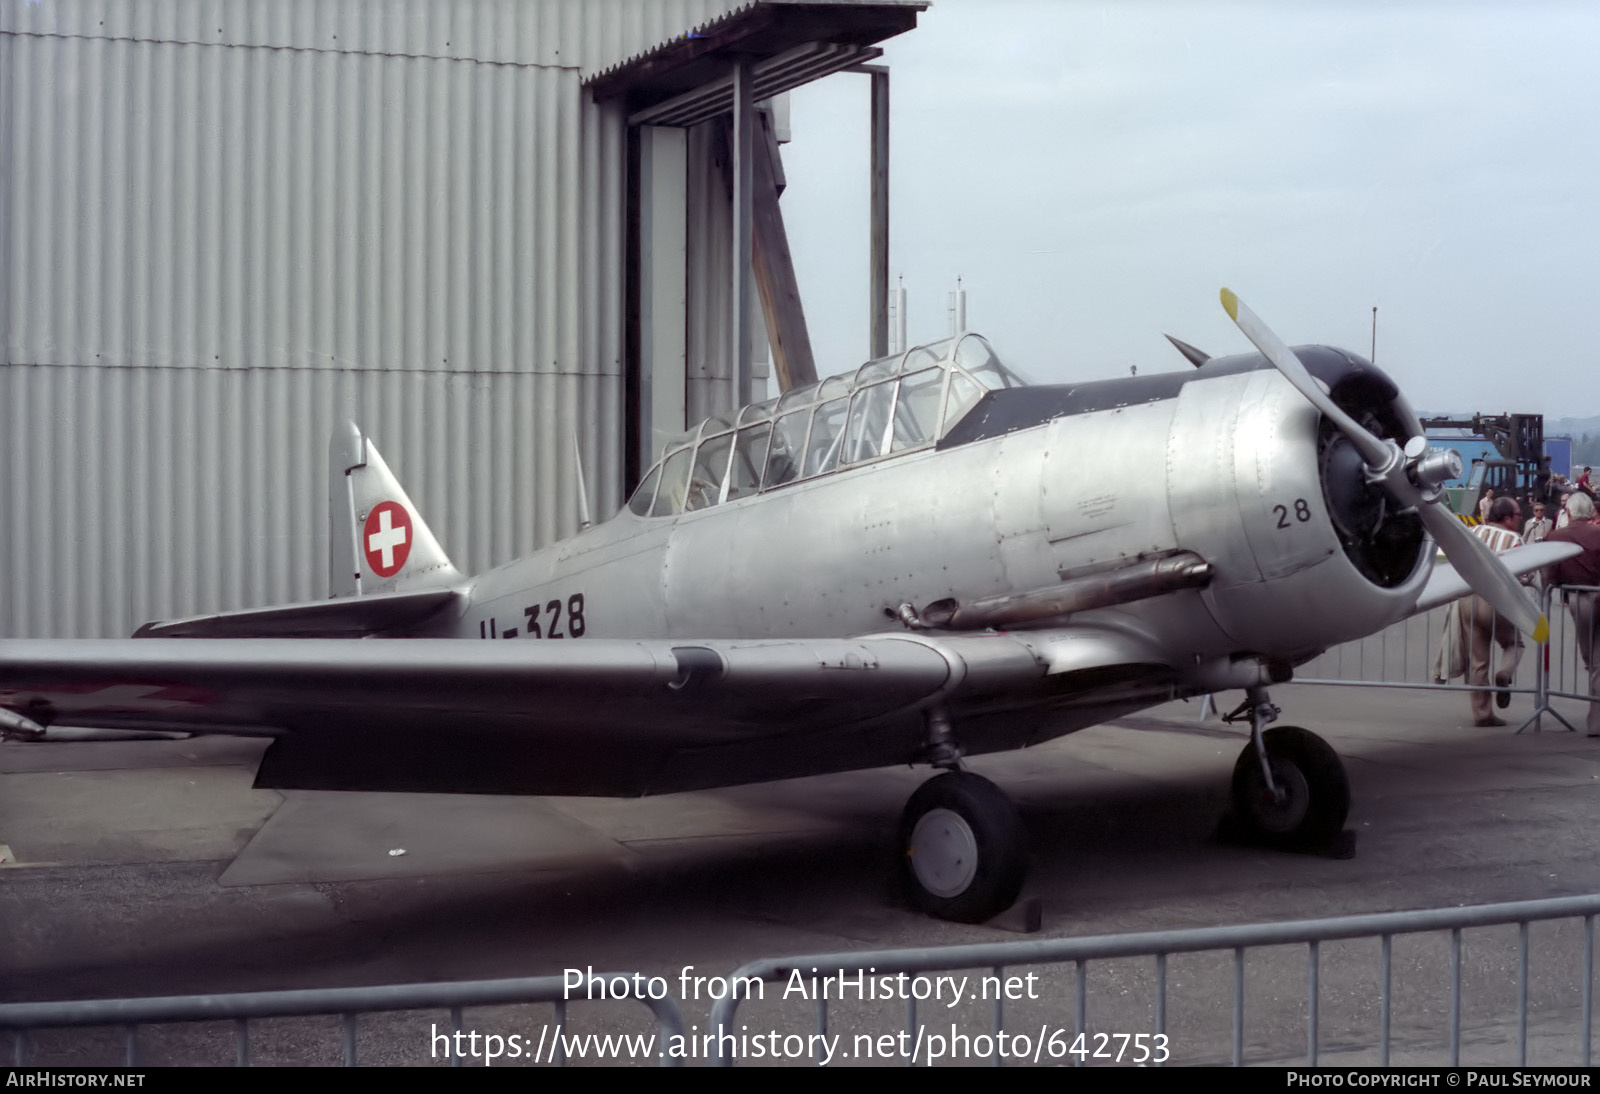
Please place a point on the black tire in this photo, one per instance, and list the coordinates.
(973, 851)
(1312, 777)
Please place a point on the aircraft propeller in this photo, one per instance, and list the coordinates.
(1410, 476)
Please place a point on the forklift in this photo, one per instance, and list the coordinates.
(1519, 440)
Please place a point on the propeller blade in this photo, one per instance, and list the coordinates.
(1373, 450)
(1471, 557)
(1482, 570)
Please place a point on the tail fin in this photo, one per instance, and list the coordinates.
(377, 541)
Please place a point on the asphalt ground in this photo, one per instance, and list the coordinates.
(153, 868)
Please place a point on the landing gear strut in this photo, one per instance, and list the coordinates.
(1289, 786)
(963, 853)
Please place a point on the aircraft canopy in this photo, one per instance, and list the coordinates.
(884, 408)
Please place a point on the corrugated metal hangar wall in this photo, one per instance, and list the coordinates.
(226, 224)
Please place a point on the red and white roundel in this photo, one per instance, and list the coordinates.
(386, 538)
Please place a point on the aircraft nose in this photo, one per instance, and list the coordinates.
(1382, 539)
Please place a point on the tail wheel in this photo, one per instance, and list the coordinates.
(1314, 794)
(963, 852)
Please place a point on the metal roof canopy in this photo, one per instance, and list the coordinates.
(785, 43)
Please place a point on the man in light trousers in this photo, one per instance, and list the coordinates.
(1487, 628)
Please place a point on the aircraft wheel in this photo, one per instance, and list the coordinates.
(963, 854)
(1316, 793)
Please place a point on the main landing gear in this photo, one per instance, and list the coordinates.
(1289, 787)
(963, 853)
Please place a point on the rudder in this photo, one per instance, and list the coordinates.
(377, 540)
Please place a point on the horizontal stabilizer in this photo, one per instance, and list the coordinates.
(342, 617)
(1445, 585)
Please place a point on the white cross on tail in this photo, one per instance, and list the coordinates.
(386, 539)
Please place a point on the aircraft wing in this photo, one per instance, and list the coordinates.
(1445, 585)
(590, 716)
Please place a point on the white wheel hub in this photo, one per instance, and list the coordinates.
(944, 853)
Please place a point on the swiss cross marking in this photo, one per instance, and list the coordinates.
(386, 538)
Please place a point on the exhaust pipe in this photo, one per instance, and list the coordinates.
(1124, 585)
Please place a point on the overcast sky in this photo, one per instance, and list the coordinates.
(1095, 172)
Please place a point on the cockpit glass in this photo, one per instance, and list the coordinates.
(670, 496)
(833, 387)
(676, 441)
(877, 370)
(827, 435)
(788, 444)
(886, 406)
(869, 418)
(797, 396)
(964, 395)
(758, 412)
(924, 356)
(916, 411)
(710, 464)
(645, 494)
(749, 456)
(978, 357)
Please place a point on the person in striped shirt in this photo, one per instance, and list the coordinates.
(1486, 627)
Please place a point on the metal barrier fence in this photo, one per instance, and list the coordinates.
(1408, 655)
(1044, 1042)
(1568, 667)
(346, 1003)
(996, 958)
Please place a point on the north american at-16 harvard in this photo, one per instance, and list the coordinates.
(896, 565)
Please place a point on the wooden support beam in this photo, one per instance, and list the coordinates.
(743, 146)
(774, 268)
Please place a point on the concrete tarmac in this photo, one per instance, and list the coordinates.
(151, 868)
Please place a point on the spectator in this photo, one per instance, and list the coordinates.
(1538, 525)
(1487, 627)
(1582, 570)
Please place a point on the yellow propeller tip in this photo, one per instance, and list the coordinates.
(1230, 304)
(1541, 633)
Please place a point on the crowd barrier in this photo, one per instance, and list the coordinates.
(1565, 672)
(1059, 1026)
(1408, 655)
(997, 960)
(347, 1004)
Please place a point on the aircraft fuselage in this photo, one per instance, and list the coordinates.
(1224, 462)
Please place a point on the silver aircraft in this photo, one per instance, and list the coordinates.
(913, 562)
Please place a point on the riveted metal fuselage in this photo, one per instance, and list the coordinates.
(1222, 462)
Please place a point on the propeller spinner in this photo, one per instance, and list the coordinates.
(1410, 477)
